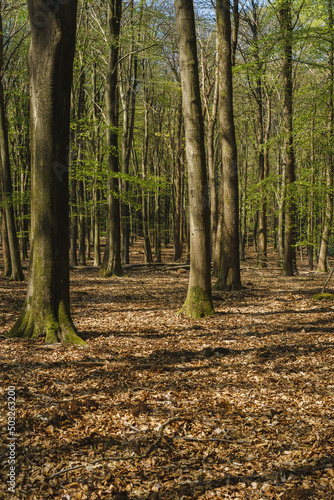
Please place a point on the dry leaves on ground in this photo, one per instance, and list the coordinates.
(238, 405)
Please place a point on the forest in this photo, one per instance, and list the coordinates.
(166, 251)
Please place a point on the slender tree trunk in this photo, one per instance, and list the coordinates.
(229, 271)
(280, 230)
(73, 193)
(289, 263)
(5, 244)
(112, 262)
(46, 310)
(128, 91)
(96, 190)
(157, 217)
(211, 166)
(178, 189)
(198, 302)
(145, 203)
(322, 262)
(81, 218)
(310, 221)
(7, 195)
(244, 211)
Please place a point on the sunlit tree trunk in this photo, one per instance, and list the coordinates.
(112, 262)
(228, 222)
(198, 301)
(322, 262)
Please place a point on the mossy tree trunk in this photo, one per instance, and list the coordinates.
(198, 301)
(112, 264)
(228, 210)
(46, 311)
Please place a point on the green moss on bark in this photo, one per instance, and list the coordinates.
(323, 296)
(198, 304)
(34, 326)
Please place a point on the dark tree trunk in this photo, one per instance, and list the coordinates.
(198, 301)
(112, 264)
(46, 310)
(228, 222)
(289, 262)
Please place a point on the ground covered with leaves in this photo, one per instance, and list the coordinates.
(160, 406)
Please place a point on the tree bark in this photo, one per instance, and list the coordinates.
(5, 243)
(80, 194)
(322, 262)
(46, 310)
(112, 264)
(198, 302)
(178, 187)
(228, 222)
(289, 263)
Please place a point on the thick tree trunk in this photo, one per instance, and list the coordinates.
(112, 264)
(16, 269)
(228, 222)
(322, 262)
(46, 310)
(198, 301)
(289, 263)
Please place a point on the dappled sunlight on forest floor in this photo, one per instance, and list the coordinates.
(238, 405)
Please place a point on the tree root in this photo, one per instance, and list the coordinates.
(33, 325)
(198, 304)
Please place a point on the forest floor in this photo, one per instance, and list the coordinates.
(160, 406)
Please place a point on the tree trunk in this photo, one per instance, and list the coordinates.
(7, 195)
(198, 302)
(228, 232)
(128, 92)
(289, 263)
(81, 218)
(46, 310)
(5, 245)
(112, 264)
(73, 193)
(322, 262)
(178, 188)
(96, 189)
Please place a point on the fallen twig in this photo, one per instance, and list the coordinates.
(329, 277)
